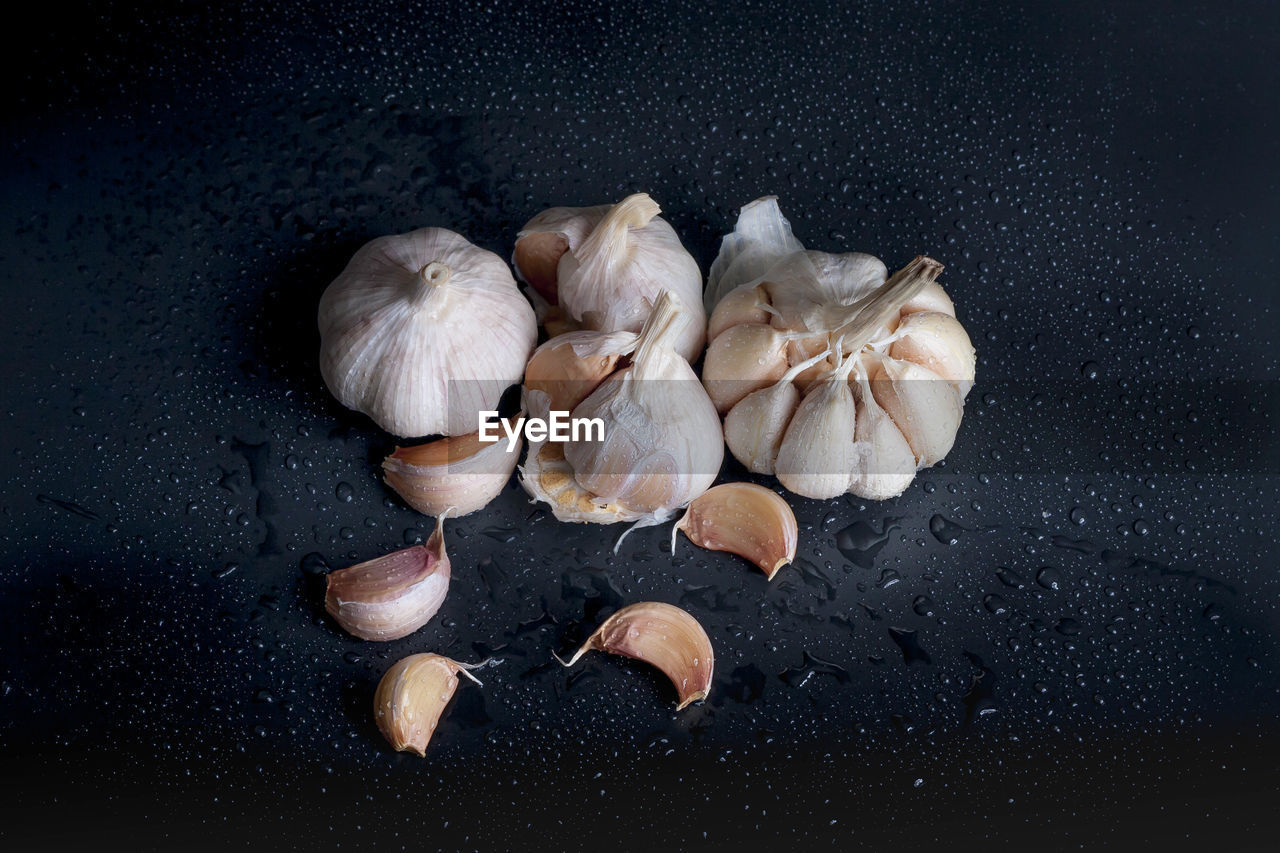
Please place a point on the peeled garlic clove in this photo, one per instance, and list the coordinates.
(392, 596)
(759, 239)
(423, 330)
(742, 359)
(744, 519)
(662, 443)
(886, 464)
(412, 696)
(937, 341)
(747, 304)
(616, 264)
(462, 473)
(753, 428)
(664, 636)
(570, 367)
(817, 451)
(923, 405)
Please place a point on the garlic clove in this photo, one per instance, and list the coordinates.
(937, 341)
(931, 298)
(568, 368)
(662, 444)
(411, 697)
(743, 359)
(817, 450)
(461, 472)
(886, 465)
(923, 405)
(422, 330)
(544, 240)
(664, 636)
(744, 519)
(753, 428)
(746, 304)
(392, 596)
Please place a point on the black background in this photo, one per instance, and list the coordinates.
(1090, 577)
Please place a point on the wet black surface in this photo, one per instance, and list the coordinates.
(1064, 637)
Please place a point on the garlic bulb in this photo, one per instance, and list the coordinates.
(422, 331)
(831, 375)
(662, 445)
(459, 472)
(603, 267)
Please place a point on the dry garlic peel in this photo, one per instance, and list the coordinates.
(392, 596)
(570, 366)
(661, 447)
(422, 331)
(459, 472)
(744, 519)
(605, 266)
(411, 698)
(664, 636)
(901, 390)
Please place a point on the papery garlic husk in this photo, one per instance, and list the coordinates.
(411, 698)
(664, 636)
(569, 367)
(391, 596)
(847, 303)
(605, 266)
(662, 443)
(459, 472)
(753, 428)
(744, 519)
(422, 331)
(923, 405)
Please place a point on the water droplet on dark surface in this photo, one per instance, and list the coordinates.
(908, 643)
(860, 542)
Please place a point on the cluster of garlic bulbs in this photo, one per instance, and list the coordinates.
(423, 330)
(662, 445)
(830, 374)
(602, 268)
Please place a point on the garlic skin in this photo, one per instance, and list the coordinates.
(605, 266)
(422, 331)
(391, 596)
(662, 444)
(460, 473)
(744, 519)
(664, 636)
(570, 366)
(411, 698)
(886, 398)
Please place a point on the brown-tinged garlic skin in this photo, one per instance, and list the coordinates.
(391, 596)
(661, 446)
(411, 698)
(887, 401)
(422, 331)
(458, 473)
(664, 636)
(744, 519)
(602, 268)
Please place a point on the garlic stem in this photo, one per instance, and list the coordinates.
(870, 313)
(634, 211)
(434, 275)
(664, 325)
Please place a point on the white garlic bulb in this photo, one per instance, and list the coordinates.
(662, 445)
(831, 375)
(422, 331)
(602, 268)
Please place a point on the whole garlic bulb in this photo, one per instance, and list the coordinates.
(422, 331)
(604, 267)
(662, 444)
(832, 375)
